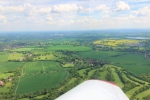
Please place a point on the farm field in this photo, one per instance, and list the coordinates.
(40, 81)
(39, 75)
(41, 66)
(132, 62)
(9, 66)
(68, 47)
(15, 56)
(23, 49)
(3, 57)
(68, 65)
(46, 66)
(116, 42)
(6, 75)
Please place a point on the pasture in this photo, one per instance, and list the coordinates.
(135, 63)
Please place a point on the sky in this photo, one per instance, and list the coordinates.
(47, 15)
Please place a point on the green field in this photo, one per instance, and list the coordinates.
(32, 67)
(23, 49)
(68, 65)
(40, 81)
(51, 66)
(132, 62)
(15, 56)
(3, 57)
(68, 47)
(6, 87)
(9, 66)
(5, 75)
(118, 81)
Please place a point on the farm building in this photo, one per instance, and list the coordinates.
(9, 79)
(1, 83)
(95, 90)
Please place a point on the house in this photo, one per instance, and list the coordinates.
(1, 83)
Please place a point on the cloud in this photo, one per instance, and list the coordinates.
(102, 8)
(145, 11)
(84, 10)
(45, 10)
(64, 8)
(3, 19)
(11, 9)
(122, 6)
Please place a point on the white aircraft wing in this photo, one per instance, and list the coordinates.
(94, 90)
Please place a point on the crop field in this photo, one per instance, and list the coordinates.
(23, 49)
(32, 67)
(132, 62)
(39, 75)
(68, 47)
(41, 66)
(9, 66)
(46, 64)
(51, 66)
(109, 42)
(135, 68)
(40, 81)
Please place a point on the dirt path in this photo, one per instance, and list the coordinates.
(20, 77)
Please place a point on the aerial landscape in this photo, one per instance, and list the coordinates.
(49, 47)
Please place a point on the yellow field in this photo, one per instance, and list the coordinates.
(15, 56)
(108, 42)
